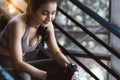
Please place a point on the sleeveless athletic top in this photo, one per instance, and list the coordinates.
(41, 31)
(26, 48)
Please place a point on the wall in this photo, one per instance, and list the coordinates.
(115, 42)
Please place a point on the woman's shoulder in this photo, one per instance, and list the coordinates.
(17, 24)
(18, 18)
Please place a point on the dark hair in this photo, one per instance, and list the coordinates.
(33, 5)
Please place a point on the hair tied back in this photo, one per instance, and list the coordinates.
(29, 7)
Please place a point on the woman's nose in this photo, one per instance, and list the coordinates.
(49, 17)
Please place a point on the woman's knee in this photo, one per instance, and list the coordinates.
(24, 76)
(20, 75)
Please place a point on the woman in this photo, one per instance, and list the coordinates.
(23, 33)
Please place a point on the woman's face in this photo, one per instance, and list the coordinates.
(46, 13)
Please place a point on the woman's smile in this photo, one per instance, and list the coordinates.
(46, 23)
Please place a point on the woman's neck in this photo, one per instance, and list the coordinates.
(32, 21)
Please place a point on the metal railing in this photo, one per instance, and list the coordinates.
(87, 51)
(91, 34)
(78, 62)
(115, 30)
(103, 22)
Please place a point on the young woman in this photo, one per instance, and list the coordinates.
(23, 33)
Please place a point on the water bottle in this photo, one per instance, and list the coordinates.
(76, 75)
(4, 75)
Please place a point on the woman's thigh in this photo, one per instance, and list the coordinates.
(5, 62)
(17, 75)
(46, 64)
(55, 70)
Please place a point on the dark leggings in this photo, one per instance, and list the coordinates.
(48, 65)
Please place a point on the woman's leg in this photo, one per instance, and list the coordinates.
(55, 71)
(17, 75)
(5, 62)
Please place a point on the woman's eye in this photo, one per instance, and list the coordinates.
(44, 13)
(53, 13)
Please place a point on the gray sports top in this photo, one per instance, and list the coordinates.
(42, 31)
(25, 47)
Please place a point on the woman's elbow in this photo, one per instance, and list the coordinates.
(17, 65)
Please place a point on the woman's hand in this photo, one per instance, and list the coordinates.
(71, 72)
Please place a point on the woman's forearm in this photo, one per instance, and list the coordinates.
(23, 66)
(61, 59)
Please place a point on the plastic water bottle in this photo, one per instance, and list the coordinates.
(76, 75)
(4, 75)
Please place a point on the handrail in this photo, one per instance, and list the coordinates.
(19, 9)
(115, 30)
(78, 62)
(87, 51)
(91, 34)
(84, 55)
(87, 36)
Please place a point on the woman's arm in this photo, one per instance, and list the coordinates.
(52, 44)
(16, 32)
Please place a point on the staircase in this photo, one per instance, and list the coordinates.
(81, 52)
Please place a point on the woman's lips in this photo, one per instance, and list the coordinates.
(45, 22)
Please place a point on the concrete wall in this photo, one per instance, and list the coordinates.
(115, 42)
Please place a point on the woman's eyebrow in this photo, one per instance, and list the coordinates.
(48, 11)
